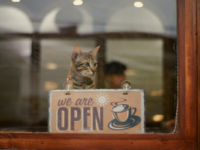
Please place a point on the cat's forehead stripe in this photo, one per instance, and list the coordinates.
(91, 62)
(86, 57)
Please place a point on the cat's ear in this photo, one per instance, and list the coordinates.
(76, 53)
(94, 51)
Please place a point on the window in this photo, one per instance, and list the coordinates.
(187, 79)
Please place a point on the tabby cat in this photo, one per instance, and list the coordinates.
(83, 67)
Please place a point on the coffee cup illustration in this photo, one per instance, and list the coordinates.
(123, 117)
(123, 112)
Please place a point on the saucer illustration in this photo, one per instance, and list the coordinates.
(117, 125)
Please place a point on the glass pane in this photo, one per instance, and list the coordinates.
(137, 42)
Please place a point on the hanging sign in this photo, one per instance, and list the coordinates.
(96, 111)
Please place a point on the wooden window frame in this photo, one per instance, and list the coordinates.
(189, 101)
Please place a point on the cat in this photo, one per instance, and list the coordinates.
(83, 67)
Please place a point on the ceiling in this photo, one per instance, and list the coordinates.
(157, 16)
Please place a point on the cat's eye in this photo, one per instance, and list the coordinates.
(87, 64)
(95, 64)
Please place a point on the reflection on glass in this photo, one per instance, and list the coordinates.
(137, 38)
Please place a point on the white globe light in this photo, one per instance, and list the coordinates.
(78, 2)
(15, 0)
(138, 4)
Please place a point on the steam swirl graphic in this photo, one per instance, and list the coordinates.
(116, 103)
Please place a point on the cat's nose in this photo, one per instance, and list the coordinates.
(93, 70)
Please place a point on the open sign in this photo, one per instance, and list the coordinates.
(96, 111)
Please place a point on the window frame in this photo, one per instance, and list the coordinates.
(187, 136)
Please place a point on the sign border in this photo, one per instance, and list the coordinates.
(143, 121)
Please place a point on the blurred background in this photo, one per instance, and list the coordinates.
(137, 38)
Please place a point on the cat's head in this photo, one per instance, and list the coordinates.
(85, 63)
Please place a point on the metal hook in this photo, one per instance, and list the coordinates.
(68, 93)
(126, 85)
